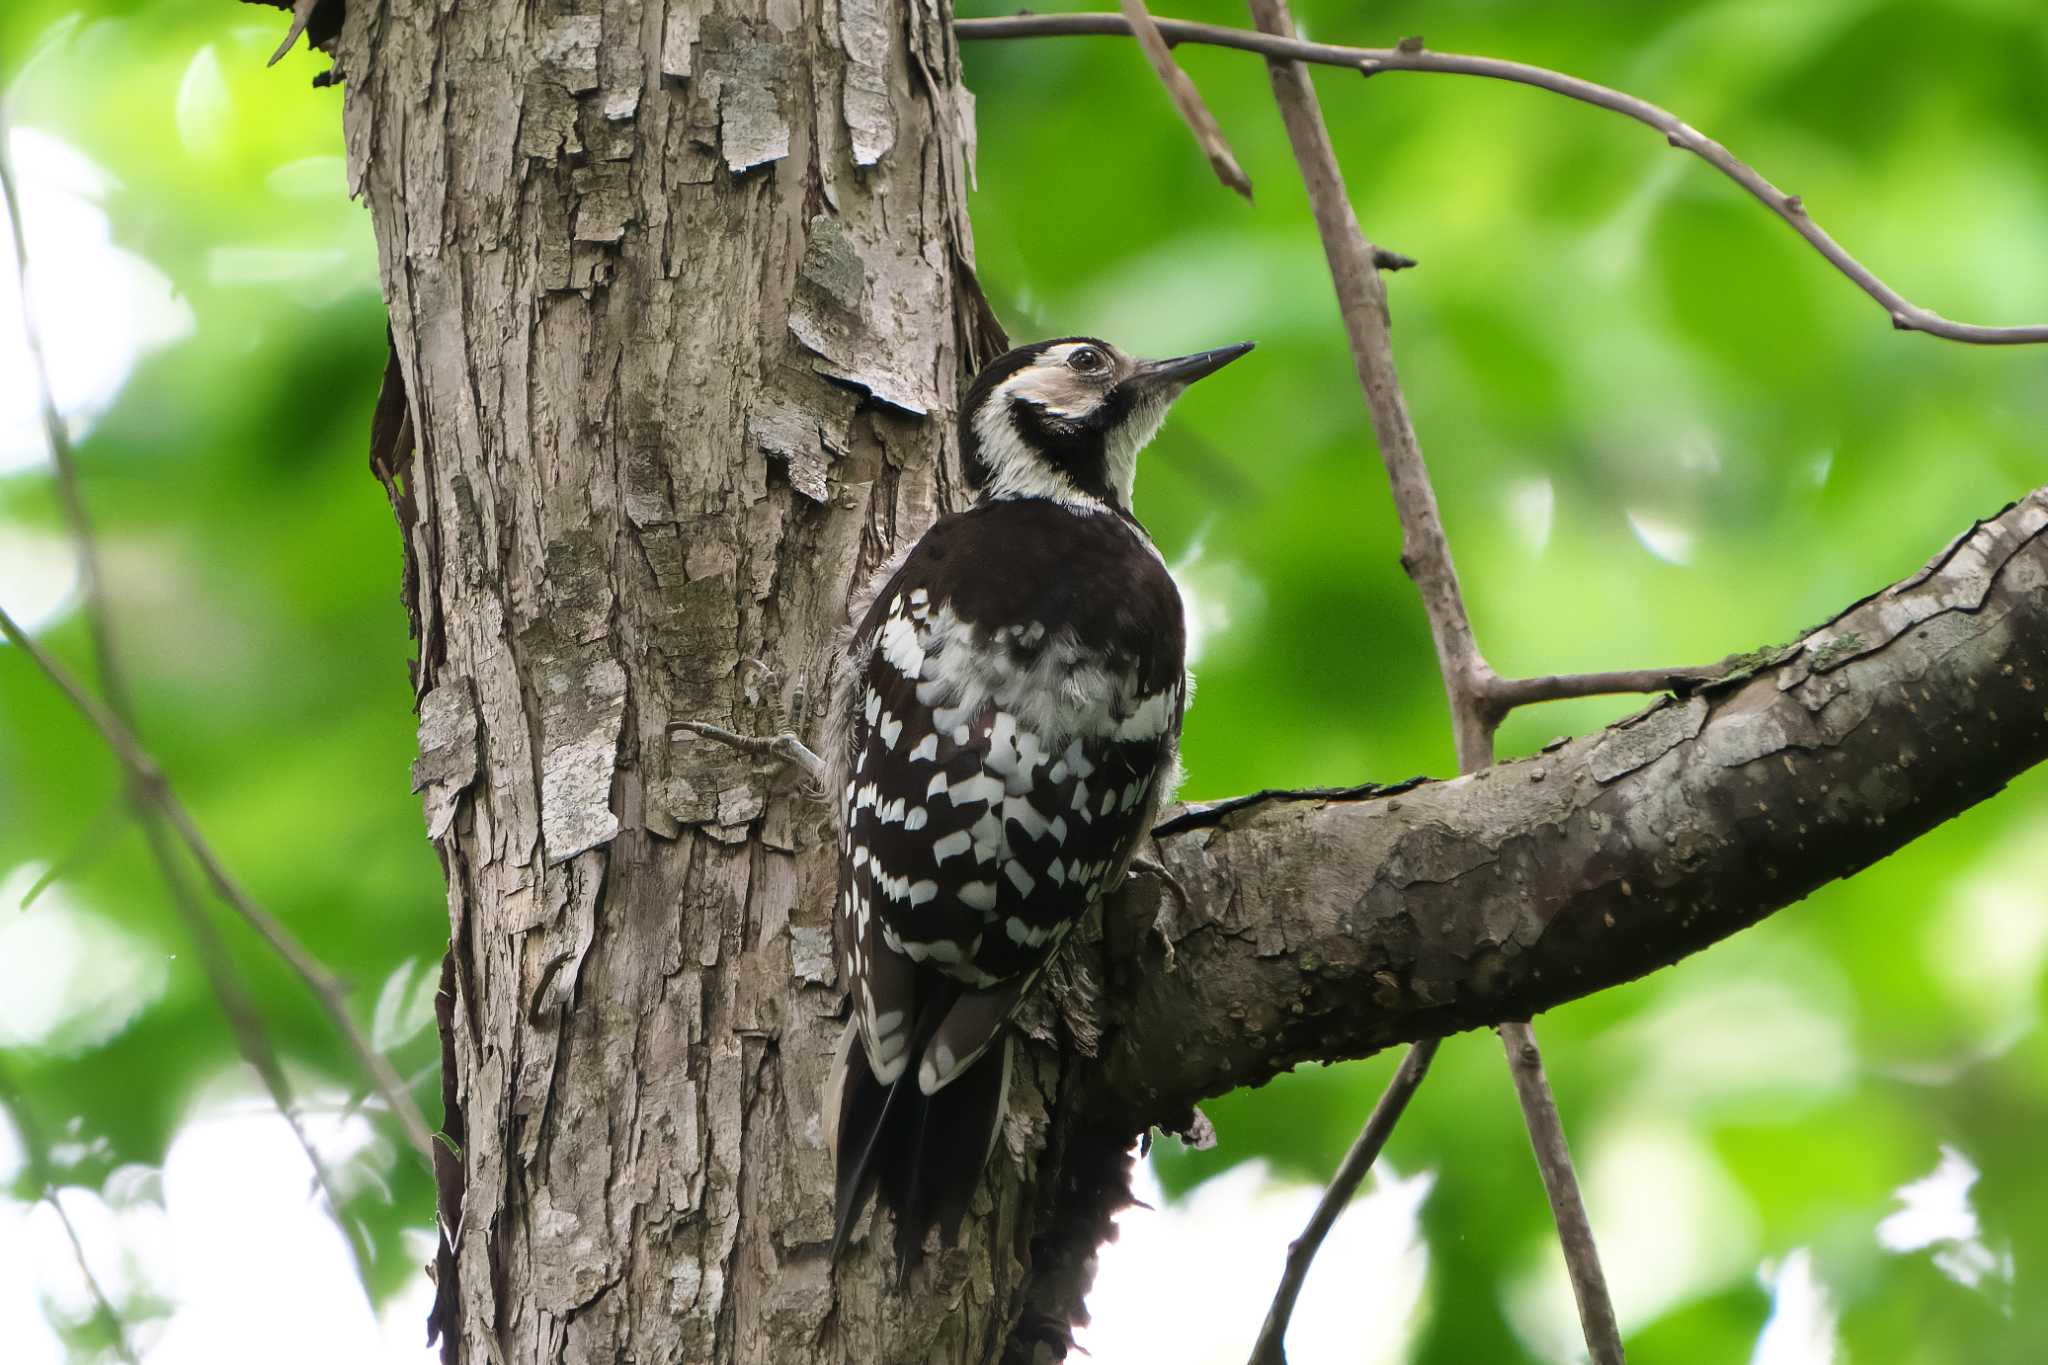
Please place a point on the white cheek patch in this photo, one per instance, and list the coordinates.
(1061, 391)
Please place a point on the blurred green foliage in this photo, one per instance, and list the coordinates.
(1662, 431)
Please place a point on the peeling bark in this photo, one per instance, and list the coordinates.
(681, 295)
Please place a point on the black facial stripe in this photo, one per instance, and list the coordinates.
(1075, 447)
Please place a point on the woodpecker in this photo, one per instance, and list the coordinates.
(1007, 717)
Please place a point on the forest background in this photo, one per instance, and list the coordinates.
(1662, 432)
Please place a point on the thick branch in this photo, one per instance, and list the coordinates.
(1332, 927)
(1906, 315)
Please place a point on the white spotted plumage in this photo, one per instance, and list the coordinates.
(1008, 713)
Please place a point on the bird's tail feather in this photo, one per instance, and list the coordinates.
(925, 1152)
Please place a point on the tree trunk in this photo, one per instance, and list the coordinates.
(673, 295)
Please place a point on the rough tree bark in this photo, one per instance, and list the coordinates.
(681, 294)
(673, 292)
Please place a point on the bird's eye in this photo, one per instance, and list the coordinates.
(1087, 360)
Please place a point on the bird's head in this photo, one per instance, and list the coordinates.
(1066, 419)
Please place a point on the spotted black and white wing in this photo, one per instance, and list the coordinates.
(1005, 753)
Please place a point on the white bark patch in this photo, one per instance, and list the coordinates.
(679, 39)
(861, 315)
(793, 435)
(568, 46)
(810, 953)
(581, 729)
(963, 114)
(620, 105)
(864, 96)
(447, 763)
(752, 129)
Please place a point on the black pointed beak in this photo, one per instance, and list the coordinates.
(1184, 370)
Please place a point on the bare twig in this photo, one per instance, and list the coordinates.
(36, 1150)
(1502, 695)
(90, 842)
(1186, 99)
(243, 1018)
(149, 793)
(157, 796)
(786, 747)
(1905, 315)
(1271, 1348)
(246, 1022)
(1567, 1208)
(1362, 301)
(1426, 555)
(112, 679)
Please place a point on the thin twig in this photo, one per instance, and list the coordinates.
(90, 842)
(1271, 1348)
(37, 1152)
(325, 985)
(1505, 694)
(1567, 1207)
(1906, 315)
(786, 747)
(1426, 555)
(1186, 99)
(157, 795)
(115, 722)
(1362, 302)
(246, 1022)
(112, 680)
(148, 794)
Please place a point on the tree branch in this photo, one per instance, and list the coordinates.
(1187, 100)
(1905, 315)
(152, 796)
(1561, 1183)
(1328, 927)
(1502, 695)
(1362, 301)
